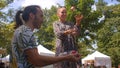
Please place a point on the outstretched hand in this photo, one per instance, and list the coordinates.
(74, 57)
(78, 18)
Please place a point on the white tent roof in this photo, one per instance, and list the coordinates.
(99, 58)
(44, 50)
(95, 54)
(98, 54)
(6, 58)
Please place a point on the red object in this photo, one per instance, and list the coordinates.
(77, 55)
(73, 51)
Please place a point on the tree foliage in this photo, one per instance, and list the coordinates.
(89, 22)
(118, 0)
(6, 30)
(4, 3)
(6, 33)
(90, 17)
(109, 34)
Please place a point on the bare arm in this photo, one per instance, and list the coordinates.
(78, 19)
(40, 60)
(76, 30)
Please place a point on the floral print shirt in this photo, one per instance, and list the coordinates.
(23, 39)
(65, 43)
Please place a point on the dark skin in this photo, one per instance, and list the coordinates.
(39, 60)
(33, 56)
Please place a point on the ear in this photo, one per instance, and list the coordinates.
(32, 16)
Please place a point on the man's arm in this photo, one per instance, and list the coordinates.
(39, 60)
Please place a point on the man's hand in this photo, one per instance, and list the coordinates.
(73, 57)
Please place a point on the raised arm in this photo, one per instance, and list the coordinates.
(76, 30)
(78, 19)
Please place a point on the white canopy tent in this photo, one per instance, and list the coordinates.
(42, 50)
(98, 59)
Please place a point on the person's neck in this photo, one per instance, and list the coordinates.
(62, 21)
(30, 25)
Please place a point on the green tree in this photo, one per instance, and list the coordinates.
(109, 34)
(5, 29)
(100, 5)
(3, 4)
(89, 22)
(118, 0)
(6, 33)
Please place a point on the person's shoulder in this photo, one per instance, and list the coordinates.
(18, 30)
(55, 22)
(24, 30)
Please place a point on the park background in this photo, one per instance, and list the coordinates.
(100, 27)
